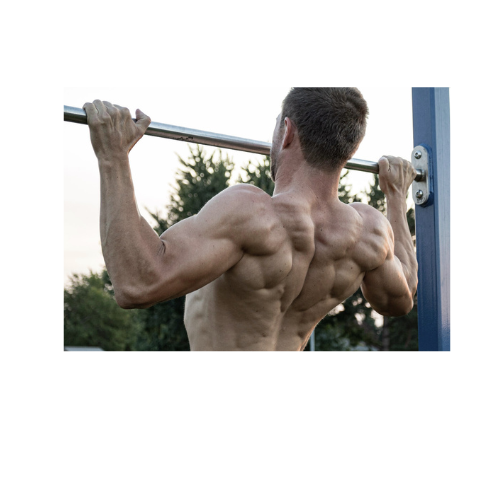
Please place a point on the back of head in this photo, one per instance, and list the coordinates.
(331, 122)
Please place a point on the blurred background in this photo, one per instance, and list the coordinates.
(173, 180)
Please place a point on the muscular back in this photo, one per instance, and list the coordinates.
(259, 272)
(304, 259)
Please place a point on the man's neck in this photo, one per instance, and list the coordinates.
(307, 181)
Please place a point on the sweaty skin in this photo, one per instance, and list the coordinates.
(259, 272)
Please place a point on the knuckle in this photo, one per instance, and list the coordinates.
(109, 106)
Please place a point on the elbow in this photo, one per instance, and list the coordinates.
(401, 307)
(139, 298)
(125, 299)
(402, 312)
(130, 299)
(142, 294)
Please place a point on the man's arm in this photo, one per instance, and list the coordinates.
(390, 287)
(144, 268)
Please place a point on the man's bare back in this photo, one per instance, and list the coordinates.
(259, 272)
(306, 259)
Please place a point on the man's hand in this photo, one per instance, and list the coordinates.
(395, 175)
(113, 133)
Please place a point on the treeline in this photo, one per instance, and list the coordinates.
(92, 317)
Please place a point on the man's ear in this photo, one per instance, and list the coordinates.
(289, 134)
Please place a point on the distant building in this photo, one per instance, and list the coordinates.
(70, 348)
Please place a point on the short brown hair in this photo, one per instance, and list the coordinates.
(331, 122)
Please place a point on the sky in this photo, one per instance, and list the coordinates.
(238, 111)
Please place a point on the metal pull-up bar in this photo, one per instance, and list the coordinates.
(78, 115)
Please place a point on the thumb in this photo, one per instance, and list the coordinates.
(142, 120)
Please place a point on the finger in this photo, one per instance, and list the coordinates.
(143, 120)
(409, 168)
(101, 109)
(112, 111)
(415, 173)
(383, 164)
(91, 112)
(123, 111)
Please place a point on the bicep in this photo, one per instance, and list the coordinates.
(384, 284)
(195, 252)
(386, 288)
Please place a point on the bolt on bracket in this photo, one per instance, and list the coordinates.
(421, 185)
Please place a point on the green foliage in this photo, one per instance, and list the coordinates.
(376, 198)
(163, 327)
(200, 178)
(403, 331)
(344, 192)
(258, 174)
(92, 317)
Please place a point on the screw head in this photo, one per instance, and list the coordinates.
(419, 194)
(418, 155)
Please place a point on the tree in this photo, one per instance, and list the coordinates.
(198, 180)
(92, 317)
(258, 174)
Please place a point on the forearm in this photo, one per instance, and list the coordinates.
(130, 246)
(403, 243)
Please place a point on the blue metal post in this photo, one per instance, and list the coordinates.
(431, 129)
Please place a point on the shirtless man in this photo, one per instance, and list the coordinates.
(260, 272)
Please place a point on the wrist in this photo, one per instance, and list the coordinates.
(396, 197)
(396, 206)
(112, 160)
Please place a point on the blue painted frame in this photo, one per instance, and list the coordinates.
(431, 129)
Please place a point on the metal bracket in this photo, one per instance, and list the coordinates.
(421, 185)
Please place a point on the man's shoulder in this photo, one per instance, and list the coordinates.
(247, 210)
(245, 193)
(375, 238)
(365, 210)
(373, 220)
(245, 201)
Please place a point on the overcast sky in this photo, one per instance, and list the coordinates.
(238, 111)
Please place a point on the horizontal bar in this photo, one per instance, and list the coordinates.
(78, 115)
